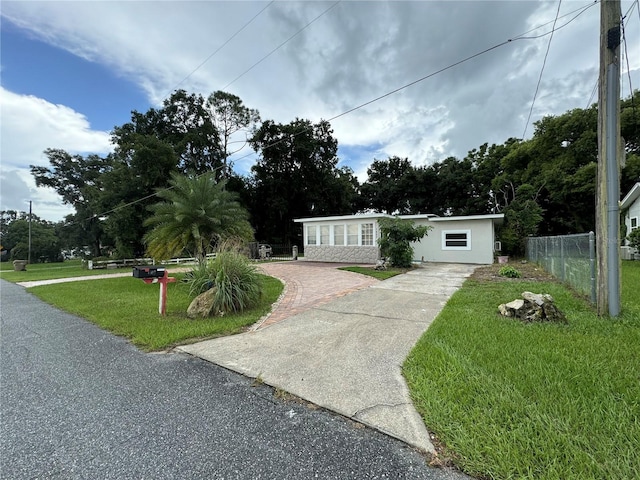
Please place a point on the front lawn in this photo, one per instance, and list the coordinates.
(541, 401)
(372, 272)
(129, 307)
(48, 271)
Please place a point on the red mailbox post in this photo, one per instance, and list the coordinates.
(153, 274)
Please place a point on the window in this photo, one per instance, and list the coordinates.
(352, 234)
(338, 234)
(634, 222)
(367, 233)
(324, 235)
(311, 235)
(456, 240)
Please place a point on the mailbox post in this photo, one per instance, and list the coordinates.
(156, 274)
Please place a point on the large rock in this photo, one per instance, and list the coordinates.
(533, 307)
(202, 305)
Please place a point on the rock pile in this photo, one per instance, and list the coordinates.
(533, 307)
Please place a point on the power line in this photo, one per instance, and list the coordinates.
(544, 62)
(217, 50)
(280, 46)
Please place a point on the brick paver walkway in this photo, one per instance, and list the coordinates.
(309, 284)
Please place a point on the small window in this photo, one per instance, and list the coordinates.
(311, 235)
(338, 234)
(367, 233)
(324, 235)
(352, 234)
(634, 222)
(456, 240)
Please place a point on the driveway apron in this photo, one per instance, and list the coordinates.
(346, 355)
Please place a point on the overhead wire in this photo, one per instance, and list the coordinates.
(166, 95)
(544, 62)
(522, 36)
(280, 46)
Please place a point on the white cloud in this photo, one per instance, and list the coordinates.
(29, 125)
(354, 53)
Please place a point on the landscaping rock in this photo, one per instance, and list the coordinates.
(202, 305)
(533, 307)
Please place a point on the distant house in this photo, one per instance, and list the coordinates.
(630, 209)
(354, 238)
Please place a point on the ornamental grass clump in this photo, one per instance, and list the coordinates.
(235, 282)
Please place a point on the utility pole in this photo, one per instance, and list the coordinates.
(608, 187)
(29, 253)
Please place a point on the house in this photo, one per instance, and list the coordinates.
(630, 209)
(354, 238)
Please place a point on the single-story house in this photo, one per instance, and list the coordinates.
(630, 209)
(354, 238)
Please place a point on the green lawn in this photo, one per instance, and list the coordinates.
(542, 401)
(48, 271)
(129, 307)
(372, 272)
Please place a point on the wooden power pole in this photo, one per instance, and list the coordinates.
(608, 186)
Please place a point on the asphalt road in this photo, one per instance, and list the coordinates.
(79, 403)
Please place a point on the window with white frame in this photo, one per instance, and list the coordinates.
(634, 222)
(338, 234)
(352, 234)
(367, 233)
(311, 235)
(456, 240)
(324, 235)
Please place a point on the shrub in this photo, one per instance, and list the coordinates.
(508, 271)
(235, 281)
(396, 237)
(634, 238)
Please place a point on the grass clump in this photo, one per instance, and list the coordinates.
(235, 281)
(372, 272)
(538, 401)
(510, 272)
(129, 307)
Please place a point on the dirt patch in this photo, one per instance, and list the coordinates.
(528, 271)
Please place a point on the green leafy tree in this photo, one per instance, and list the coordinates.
(387, 189)
(79, 182)
(230, 117)
(194, 215)
(634, 238)
(396, 237)
(523, 217)
(45, 245)
(297, 175)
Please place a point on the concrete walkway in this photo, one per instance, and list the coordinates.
(346, 354)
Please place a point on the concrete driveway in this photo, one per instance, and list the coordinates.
(346, 354)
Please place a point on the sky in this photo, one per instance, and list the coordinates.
(72, 70)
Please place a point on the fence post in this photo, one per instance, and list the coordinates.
(562, 274)
(592, 262)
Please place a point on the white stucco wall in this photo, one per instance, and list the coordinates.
(430, 248)
(478, 230)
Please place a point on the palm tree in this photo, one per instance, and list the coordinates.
(196, 213)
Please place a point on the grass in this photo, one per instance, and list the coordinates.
(372, 272)
(129, 307)
(543, 401)
(49, 271)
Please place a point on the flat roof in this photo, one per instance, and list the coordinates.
(429, 216)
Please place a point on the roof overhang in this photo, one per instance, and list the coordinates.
(630, 197)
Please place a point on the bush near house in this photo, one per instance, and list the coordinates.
(396, 237)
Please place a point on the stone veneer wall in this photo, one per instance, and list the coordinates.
(341, 254)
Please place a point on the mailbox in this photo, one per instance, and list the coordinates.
(149, 272)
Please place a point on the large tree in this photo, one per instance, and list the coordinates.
(388, 188)
(79, 182)
(193, 216)
(231, 118)
(297, 175)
